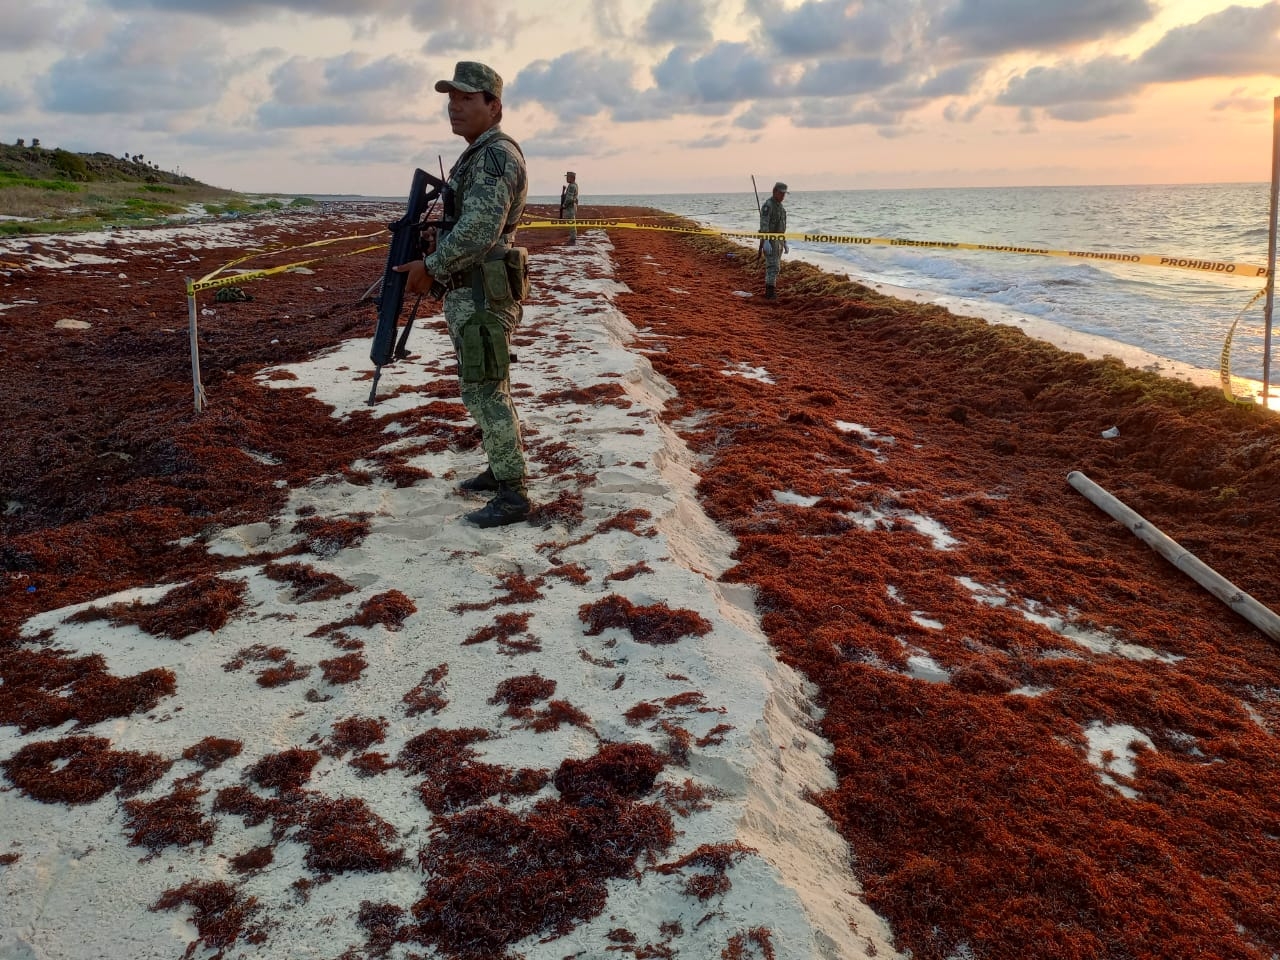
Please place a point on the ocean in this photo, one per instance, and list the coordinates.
(1177, 314)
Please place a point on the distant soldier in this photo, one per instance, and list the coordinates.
(482, 278)
(773, 219)
(569, 203)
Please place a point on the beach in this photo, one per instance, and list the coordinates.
(808, 649)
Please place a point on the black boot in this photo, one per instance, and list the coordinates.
(770, 292)
(483, 483)
(511, 505)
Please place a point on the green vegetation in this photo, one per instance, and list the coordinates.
(56, 191)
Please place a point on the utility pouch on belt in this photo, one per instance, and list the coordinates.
(484, 354)
(517, 262)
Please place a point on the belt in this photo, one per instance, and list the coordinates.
(469, 276)
(461, 279)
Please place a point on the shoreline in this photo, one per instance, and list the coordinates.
(1090, 345)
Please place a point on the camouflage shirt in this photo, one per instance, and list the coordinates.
(569, 195)
(489, 184)
(773, 217)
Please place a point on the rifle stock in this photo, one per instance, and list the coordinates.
(406, 244)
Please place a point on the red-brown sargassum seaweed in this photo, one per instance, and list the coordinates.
(505, 627)
(255, 859)
(284, 771)
(519, 693)
(626, 573)
(174, 820)
(554, 715)
(221, 913)
(495, 877)
(356, 733)
(428, 694)
(517, 589)
(390, 609)
(456, 778)
(327, 536)
(212, 752)
(978, 822)
(566, 507)
(278, 676)
(344, 669)
(381, 923)
(740, 943)
(344, 835)
(89, 770)
(654, 624)
(46, 688)
(612, 394)
(309, 584)
(715, 859)
(206, 603)
(628, 521)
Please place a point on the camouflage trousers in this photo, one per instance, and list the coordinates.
(489, 401)
(571, 213)
(772, 261)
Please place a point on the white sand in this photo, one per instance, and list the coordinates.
(78, 891)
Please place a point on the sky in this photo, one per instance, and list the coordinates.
(645, 97)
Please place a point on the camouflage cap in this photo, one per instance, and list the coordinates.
(780, 186)
(570, 174)
(472, 77)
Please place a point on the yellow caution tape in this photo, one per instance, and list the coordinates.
(1224, 363)
(211, 280)
(1220, 267)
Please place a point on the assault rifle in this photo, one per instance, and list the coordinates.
(406, 245)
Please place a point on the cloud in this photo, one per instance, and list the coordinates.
(1235, 42)
(821, 27)
(469, 26)
(953, 81)
(12, 99)
(709, 142)
(402, 149)
(839, 112)
(989, 27)
(678, 21)
(240, 10)
(577, 85)
(346, 90)
(728, 73)
(139, 71)
(847, 76)
(1083, 112)
(564, 142)
(28, 25)
(1101, 79)
(1240, 99)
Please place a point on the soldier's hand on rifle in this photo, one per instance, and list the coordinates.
(418, 280)
(429, 241)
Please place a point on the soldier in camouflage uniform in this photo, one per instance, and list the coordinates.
(471, 263)
(569, 203)
(773, 219)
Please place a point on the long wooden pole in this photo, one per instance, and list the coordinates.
(1261, 617)
(1271, 249)
(196, 386)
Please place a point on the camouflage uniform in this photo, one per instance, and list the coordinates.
(569, 205)
(773, 219)
(488, 185)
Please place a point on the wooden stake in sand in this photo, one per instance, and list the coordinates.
(1260, 616)
(193, 336)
